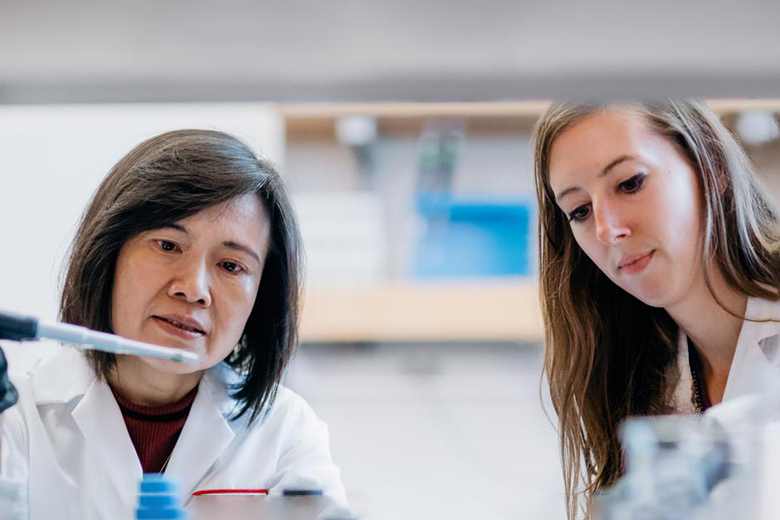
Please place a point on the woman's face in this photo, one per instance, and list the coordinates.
(633, 203)
(192, 285)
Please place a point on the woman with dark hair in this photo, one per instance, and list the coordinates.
(189, 242)
(659, 273)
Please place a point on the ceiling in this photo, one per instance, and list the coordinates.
(303, 50)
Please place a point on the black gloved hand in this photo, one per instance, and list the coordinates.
(8, 394)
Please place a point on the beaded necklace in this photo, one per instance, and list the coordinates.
(697, 397)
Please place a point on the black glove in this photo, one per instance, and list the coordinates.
(8, 394)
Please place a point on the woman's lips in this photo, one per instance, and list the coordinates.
(174, 330)
(637, 265)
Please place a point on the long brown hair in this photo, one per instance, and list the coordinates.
(606, 352)
(166, 179)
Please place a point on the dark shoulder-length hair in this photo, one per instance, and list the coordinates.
(166, 179)
(606, 352)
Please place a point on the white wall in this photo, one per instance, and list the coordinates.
(52, 158)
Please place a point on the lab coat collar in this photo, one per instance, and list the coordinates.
(756, 364)
(208, 431)
(100, 420)
(762, 332)
(66, 376)
(62, 377)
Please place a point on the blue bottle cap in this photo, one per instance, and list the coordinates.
(158, 501)
(168, 488)
(158, 483)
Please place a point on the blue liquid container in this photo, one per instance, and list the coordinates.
(159, 499)
(472, 238)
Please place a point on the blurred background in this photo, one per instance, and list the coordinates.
(403, 130)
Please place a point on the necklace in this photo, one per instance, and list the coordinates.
(698, 403)
(696, 398)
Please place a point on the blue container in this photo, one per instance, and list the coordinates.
(469, 238)
(159, 498)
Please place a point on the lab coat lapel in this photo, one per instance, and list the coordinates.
(100, 421)
(205, 435)
(754, 368)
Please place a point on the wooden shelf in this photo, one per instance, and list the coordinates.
(733, 106)
(299, 115)
(490, 310)
(316, 121)
(408, 110)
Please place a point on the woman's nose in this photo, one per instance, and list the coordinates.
(192, 283)
(611, 224)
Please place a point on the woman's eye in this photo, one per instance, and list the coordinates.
(231, 267)
(579, 214)
(633, 184)
(166, 245)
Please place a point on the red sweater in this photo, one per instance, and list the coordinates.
(154, 430)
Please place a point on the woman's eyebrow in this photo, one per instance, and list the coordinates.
(241, 247)
(228, 243)
(619, 160)
(176, 227)
(566, 192)
(605, 171)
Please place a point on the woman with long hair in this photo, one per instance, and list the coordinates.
(659, 273)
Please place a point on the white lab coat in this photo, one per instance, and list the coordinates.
(66, 453)
(755, 368)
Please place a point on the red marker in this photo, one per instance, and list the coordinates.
(230, 492)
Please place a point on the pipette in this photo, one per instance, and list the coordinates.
(26, 328)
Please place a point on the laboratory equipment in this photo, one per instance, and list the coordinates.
(16, 327)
